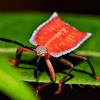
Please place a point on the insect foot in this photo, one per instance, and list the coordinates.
(98, 78)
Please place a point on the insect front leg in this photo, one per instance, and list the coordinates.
(18, 55)
(88, 61)
(17, 59)
(53, 76)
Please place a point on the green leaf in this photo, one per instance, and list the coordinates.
(11, 85)
(23, 25)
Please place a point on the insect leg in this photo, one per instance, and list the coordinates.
(88, 61)
(53, 76)
(18, 55)
(36, 67)
(66, 62)
(62, 80)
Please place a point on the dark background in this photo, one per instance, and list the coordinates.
(68, 6)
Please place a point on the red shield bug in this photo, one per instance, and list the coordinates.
(54, 38)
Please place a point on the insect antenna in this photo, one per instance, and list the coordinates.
(36, 67)
(15, 42)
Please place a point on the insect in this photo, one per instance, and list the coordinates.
(54, 38)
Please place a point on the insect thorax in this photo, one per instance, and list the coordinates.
(41, 50)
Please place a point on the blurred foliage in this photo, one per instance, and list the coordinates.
(11, 85)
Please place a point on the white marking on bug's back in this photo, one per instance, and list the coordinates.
(72, 49)
(31, 40)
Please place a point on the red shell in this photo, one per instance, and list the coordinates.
(58, 37)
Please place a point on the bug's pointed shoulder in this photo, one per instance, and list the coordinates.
(54, 15)
(32, 39)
